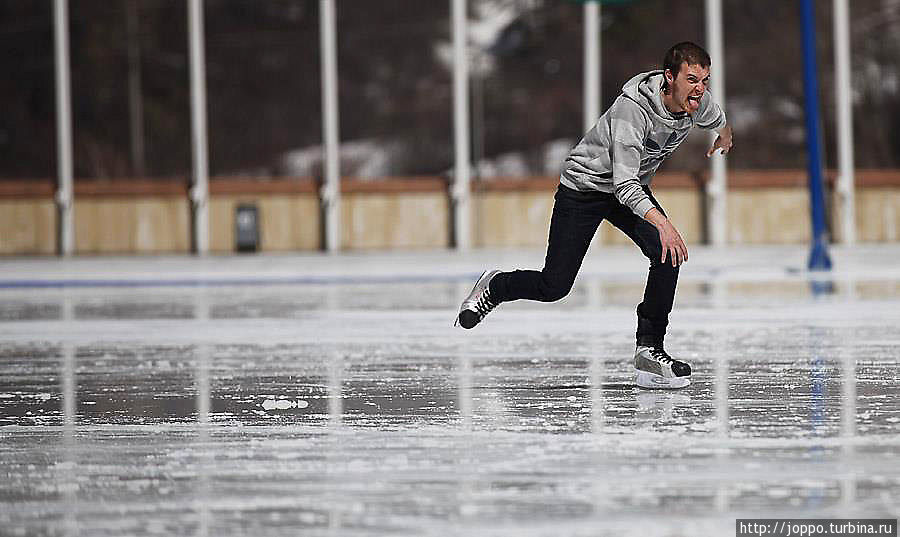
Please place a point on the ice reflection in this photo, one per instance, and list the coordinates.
(68, 480)
(336, 436)
(147, 384)
(848, 426)
(659, 406)
(298, 301)
(532, 424)
(154, 384)
(202, 358)
(547, 393)
(203, 443)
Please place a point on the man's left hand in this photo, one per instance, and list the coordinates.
(723, 142)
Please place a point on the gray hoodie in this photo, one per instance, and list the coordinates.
(628, 143)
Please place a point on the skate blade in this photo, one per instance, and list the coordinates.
(652, 381)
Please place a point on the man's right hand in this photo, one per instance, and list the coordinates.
(673, 245)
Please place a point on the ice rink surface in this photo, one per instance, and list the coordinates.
(330, 395)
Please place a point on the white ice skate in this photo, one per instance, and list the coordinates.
(479, 302)
(654, 368)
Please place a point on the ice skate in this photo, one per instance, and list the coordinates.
(654, 368)
(479, 302)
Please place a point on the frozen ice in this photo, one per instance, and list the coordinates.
(330, 395)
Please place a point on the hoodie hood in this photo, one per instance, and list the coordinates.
(646, 90)
(622, 151)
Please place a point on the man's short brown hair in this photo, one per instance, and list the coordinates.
(685, 51)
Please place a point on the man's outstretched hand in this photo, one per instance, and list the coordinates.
(723, 141)
(673, 245)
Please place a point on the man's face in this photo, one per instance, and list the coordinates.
(688, 87)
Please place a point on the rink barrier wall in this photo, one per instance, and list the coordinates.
(28, 218)
(407, 212)
(153, 215)
(288, 209)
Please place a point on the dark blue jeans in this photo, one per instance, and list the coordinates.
(576, 217)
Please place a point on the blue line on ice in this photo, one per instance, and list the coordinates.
(224, 282)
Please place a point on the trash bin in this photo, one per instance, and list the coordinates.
(246, 228)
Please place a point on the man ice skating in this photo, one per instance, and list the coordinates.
(607, 176)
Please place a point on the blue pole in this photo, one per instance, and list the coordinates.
(818, 257)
